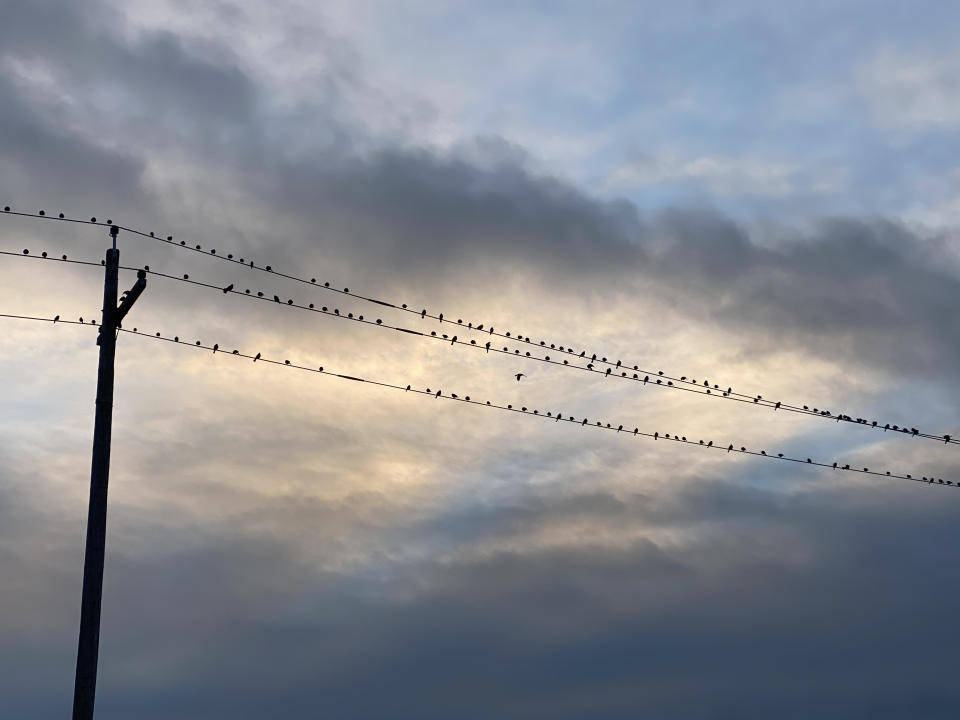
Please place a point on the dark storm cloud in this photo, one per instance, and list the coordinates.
(89, 49)
(844, 289)
(810, 607)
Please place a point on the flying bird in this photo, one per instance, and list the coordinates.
(518, 376)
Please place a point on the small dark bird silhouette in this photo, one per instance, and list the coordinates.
(423, 313)
(81, 319)
(583, 353)
(216, 347)
(946, 438)
(276, 299)
(408, 388)
(228, 288)
(777, 406)
(257, 357)
(58, 317)
(454, 340)
(488, 346)
(440, 317)
(438, 394)
(729, 448)
(656, 435)
(518, 376)
(608, 372)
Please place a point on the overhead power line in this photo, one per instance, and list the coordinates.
(550, 415)
(681, 381)
(632, 374)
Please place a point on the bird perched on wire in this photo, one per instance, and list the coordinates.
(454, 340)
(228, 288)
(58, 317)
(518, 376)
(257, 357)
(216, 347)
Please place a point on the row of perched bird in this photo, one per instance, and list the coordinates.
(557, 417)
(423, 313)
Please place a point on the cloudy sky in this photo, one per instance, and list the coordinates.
(765, 195)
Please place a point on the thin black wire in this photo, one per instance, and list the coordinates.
(657, 381)
(554, 417)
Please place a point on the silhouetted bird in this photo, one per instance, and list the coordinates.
(488, 346)
(454, 340)
(656, 435)
(58, 317)
(257, 357)
(946, 438)
(228, 288)
(276, 299)
(440, 317)
(423, 313)
(729, 448)
(594, 357)
(518, 376)
(81, 319)
(608, 371)
(777, 406)
(438, 394)
(589, 366)
(408, 387)
(216, 347)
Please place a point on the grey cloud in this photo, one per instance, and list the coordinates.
(770, 620)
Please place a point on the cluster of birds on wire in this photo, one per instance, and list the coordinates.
(616, 369)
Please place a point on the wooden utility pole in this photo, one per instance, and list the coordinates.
(85, 684)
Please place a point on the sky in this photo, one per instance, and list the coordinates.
(765, 195)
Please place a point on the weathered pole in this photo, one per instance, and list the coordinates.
(85, 684)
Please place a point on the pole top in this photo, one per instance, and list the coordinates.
(114, 231)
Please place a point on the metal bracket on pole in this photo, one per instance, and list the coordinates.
(131, 296)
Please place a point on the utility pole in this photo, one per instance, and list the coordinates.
(85, 684)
